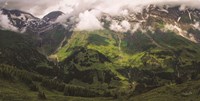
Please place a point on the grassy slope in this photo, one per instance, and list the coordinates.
(16, 91)
(21, 85)
(188, 91)
(153, 51)
(10, 40)
(134, 51)
(133, 47)
(103, 41)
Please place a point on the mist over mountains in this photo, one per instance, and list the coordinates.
(86, 15)
(107, 6)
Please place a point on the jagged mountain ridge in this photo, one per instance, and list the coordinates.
(52, 16)
(184, 21)
(47, 33)
(23, 20)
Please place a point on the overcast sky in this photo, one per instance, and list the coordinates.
(42, 7)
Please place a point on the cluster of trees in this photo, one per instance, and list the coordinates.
(12, 73)
(69, 90)
(79, 91)
(6, 72)
(53, 85)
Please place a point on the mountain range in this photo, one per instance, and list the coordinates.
(150, 55)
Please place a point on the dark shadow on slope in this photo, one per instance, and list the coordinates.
(97, 40)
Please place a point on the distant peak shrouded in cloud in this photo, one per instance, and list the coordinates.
(91, 9)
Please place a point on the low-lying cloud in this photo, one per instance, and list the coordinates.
(88, 22)
(41, 7)
(123, 26)
(5, 23)
(89, 11)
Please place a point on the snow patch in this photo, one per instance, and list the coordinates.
(125, 25)
(179, 18)
(189, 14)
(180, 32)
(163, 10)
(196, 25)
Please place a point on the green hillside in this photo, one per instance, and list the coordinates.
(125, 49)
(150, 59)
(20, 51)
(105, 64)
(100, 51)
(20, 85)
(188, 91)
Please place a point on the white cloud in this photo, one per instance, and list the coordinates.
(89, 11)
(42, 7)
(117, 26)
(6, 24)
(88, 22)
(125, 25)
